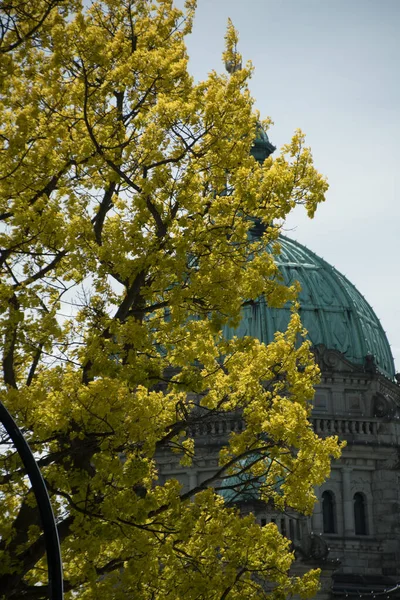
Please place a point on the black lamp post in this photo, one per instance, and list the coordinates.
(52, 541)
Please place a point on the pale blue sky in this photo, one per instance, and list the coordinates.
(330, 67)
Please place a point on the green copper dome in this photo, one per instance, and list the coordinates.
(333, 311)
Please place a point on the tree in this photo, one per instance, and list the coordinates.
(127, 193)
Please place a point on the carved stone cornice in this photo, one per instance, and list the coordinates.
(333, 361)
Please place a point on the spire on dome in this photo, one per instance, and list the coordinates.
(262, 147)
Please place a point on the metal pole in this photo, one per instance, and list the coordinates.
(54, 563)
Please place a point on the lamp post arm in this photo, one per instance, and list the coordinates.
(54, 563)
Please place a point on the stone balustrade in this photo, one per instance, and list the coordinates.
(217, 427)
(322, 426)
(349, 426)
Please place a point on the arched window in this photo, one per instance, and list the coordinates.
(328, 512)
(360, 514)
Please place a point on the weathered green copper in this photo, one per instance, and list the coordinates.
(240, 489)
(333, 311)
(244, 487)
(262, 147)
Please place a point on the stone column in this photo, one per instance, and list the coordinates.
(348, 514)
(192, 476)
(317, 524)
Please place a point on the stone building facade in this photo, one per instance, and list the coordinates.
(354, 533)
(358, 512)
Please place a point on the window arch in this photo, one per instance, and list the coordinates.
(329, 512)
(360, 514)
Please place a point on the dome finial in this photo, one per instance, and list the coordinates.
(234, 64)
(231, 56)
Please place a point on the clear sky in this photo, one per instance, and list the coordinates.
(332, 68)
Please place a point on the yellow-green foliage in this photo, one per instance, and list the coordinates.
(126, 193)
